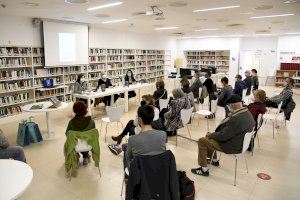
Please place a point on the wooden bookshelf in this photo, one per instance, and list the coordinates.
(198, 59)
(291, 70)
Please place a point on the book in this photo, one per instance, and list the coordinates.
(37, 107)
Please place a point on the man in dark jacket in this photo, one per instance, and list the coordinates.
(238, 86)
(248, 82)
(228, 137)
(106, 83)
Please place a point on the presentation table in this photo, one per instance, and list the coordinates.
(45, 109)
(111, 92)
(15, 178)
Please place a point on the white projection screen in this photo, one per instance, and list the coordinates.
(65, 44)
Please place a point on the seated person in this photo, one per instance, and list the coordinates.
(105, 82)
(132, 127)
(185, 87)
(284, 95)
(255, 79)
(160, 93)
(238, 86)
(248, 82)
(10, 152)
(227, 138)
(171, 117)
(81, 122)
(148, 141)
(81, 86)
(224, 94)
(129, 79)
(196, 85)
(259, 105)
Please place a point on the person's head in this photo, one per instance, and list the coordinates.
(177, 93)
(224, 81)
(238, 77)
(288, 82)
(160, 84)
(247, 73)
(208, 74)
(234, 102)
(145, 115)
(148, 100)
(129, 73)
(80, 78)
(197, 75)
(259, 95)
(185, 82)
(80, 109)
(253, 72)
(103, 75)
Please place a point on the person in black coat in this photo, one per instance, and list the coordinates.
(248, 82)
(160, 93)
(238, 86)
(129, 79)
(105, 82)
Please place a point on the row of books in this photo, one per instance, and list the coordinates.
(15, 74)
(15, 86)
(222, 63)
(97, 67)
(97, 59)
(48, 72)
(47, 93)
(290, 66)
(72, 69)
(151, 69)
(222, 58)
(15, 51)
(116, 73)
(161, 73)
(126, 58)
(39, 82)
(97, 51)
(9, 111)
(38, 61)
(141, 76)
(38, 52)
(151, 62)
(12, 62)
(14, 98)
(160, 62)
(129, 64)
(71, 78)
(114, 58)
(128, 51)
(141, 64)
(141, 70)
(114, 51)
(114, 66)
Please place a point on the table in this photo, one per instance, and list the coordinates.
(111, 92)
(50, 135)
(15, 178)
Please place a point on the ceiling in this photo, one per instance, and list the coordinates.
(228, 22)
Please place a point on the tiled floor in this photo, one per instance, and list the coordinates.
(277, 157)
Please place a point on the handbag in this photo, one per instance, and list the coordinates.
(34, 131)
(23, 138)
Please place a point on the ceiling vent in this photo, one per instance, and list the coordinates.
(264, 7)
(178, 4)
(76, 1)
(102, 16)
(262, 31)
(138, 13)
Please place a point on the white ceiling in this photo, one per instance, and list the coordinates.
(183, 17)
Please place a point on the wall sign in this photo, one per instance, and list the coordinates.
(263, 176)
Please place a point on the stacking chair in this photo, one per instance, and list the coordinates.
(114, 114)
(206, 113)
(186, 115)
(246, 143)
(273, 117)
(258, 126)
(163, 103)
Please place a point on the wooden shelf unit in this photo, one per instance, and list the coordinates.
(288, 70)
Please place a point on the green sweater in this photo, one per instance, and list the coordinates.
(91, 137)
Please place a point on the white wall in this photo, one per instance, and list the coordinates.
(231, 44)
(287, 47)
(19, 31)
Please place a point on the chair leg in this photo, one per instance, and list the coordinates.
(252, 146)
(207, 124)
(101, 126)
(176, 139)
(214, 152)
(123, 182)
(246, 162)
(106, 131)
(70, 174)
(273, 128)
(235, 171)
(258, 139)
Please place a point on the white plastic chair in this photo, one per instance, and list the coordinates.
(82, 146)
(114, 114)
(186, 115)
(246, 143)
(273, 117)
(255, 133)
(206, 113)
(163, 103)
(244, 94)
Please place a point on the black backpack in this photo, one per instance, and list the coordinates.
(186, 186)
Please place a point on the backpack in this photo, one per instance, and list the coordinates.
(186, 186)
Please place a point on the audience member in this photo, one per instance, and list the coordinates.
(106, 83)
(248, 82)
(209, 84)
(259, 105)
(129, 79)
(185, 87)
(81, 122)
(10, 152)
(227, 138)
(196, 85)
(224, 94)
(255, 79)
(238, 86)
(160, 93)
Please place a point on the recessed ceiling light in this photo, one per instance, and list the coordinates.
(271, 16)
(266, 34)
(207, 29)
(105, 6)
(214, 36)
(76, 1)
(178, 4)
(291, 1)
(166, 28)
(114, 21)
(30, 4)
(218, 8)
(102, 16)
(264, 7)
(235, 35)
(292, 33)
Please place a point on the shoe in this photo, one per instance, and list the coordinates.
(217, 164)
(118, 138)
(199, 171)
(86, 161)
(115, 149)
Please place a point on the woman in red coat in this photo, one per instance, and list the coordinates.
(259, 105)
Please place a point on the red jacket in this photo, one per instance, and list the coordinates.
(257, 108)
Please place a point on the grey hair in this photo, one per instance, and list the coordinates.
(177, 93)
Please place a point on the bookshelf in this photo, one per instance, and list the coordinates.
(288, 70)
(198, 59)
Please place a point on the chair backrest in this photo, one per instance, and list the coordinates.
(163, 103)
(259, 122)
(82, 146)
(214, 105)
(186, 115)
(114, 113)
(279, 108)
(247, 140)
(200, 91)
(244, 94)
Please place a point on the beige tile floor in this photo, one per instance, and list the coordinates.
(277, 157)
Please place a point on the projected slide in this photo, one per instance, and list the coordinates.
(67, 47)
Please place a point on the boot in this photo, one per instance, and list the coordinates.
(118, 138)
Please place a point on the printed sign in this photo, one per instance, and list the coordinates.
(263, 176)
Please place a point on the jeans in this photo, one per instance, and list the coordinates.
(125, 158)
(13, 152)
(226, 111)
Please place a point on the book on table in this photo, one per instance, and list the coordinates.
(37, 107)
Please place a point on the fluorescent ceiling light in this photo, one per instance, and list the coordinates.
(114, 21)
(207, 29)
(265, 34)
(105, 6)
(235, 35)
(271, 16)
(166, 28)
(292, 33)
(218, 8)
